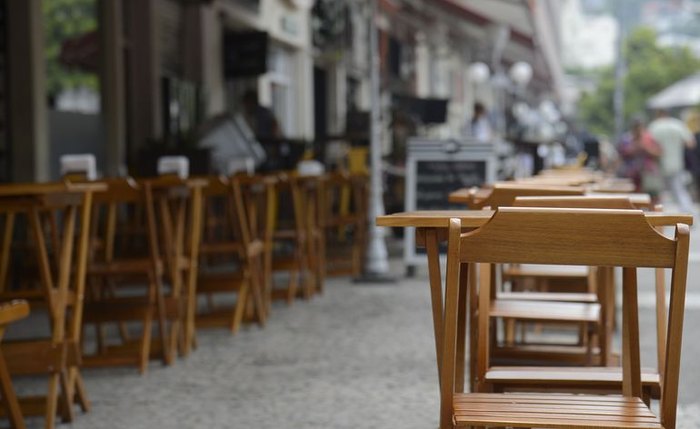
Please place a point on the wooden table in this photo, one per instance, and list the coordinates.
(432, 227)
(468, 195)
(59, 355)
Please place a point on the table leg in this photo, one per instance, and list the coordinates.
(433, 252)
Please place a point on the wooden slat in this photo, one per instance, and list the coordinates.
(603, 238)
(552, 411)
(546, 311)
(549, 296)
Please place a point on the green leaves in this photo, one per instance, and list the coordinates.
(64, 20)
(649, 69)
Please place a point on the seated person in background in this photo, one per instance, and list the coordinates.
(260, 118)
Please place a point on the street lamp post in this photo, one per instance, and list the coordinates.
(377, 256)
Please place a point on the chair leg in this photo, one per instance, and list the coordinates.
(66, 398)
(239, 309)
(293, 285)
(9, 399)
(80, 392)
(146, 342)
(52, 401)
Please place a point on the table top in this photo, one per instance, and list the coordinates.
(465, 195)
(476, 218)
(38, 189)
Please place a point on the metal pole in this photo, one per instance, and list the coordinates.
(377, 262)
(619, 94)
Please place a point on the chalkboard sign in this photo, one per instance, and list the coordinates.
(434, 168)
(436, 179)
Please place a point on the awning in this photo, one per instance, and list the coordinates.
(684, 93)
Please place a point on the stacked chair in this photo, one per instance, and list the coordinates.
(582, 309)
(558, 238)
(295, 238)
(143, 270)
(45, 244)
(128, 269)
(344, 217)
(545, 236)
(232, 258)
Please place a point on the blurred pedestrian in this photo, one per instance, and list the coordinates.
(640, 154)
(673, 137)
(692, 155)
(480, 126)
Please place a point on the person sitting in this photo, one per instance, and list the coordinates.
(260, 118)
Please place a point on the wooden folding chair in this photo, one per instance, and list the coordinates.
(544, 236)
(49, 223)
(344, 208)
(180, 205)
(311, 195)
(256, 200)
(231, 261)
(582, 379)
(291, 242)
(126, 277)
(584, 311)
(10, 312)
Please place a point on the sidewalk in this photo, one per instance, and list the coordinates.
(359, 357)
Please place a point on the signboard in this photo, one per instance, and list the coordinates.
(434, 169)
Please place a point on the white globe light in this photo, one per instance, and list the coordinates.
(521, 73)
(479, 72)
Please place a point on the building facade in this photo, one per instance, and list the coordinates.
(165, 66)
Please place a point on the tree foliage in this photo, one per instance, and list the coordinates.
(649, 69)
(63, 20)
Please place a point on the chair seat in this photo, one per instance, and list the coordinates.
(524, 410)
(590, 298)
(547, 271)
(546, 311)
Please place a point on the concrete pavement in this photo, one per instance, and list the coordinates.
(359, 356)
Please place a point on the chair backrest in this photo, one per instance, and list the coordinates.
(255, 202)
(129, 200)
(504, 194)
(590, 237)
(222, 223)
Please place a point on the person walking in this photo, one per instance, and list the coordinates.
(640, 159)
(673, 137)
